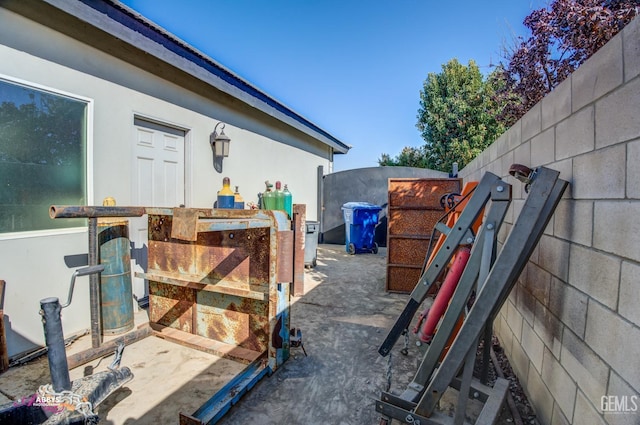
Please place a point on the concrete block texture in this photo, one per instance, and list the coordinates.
(589, 371)
(575, 135)
(526, 304)
(615, 340)
(595, 273)
(540, 396)
(514, 320)
(559, 382)
(600, 74)
(600, 174)
(616, 228)
(522, 154)
(631, 49)
(532, 122)
(585, 413)
(573, 220)
(556, 106)
(538, 282)
(549, 328)
(543, 147)
(629, 414)
(554, 256)
(569, 305)
(629, 299)
(616, 115)
(633, 170)
(519, 361)
(533, 346)
(558, 418)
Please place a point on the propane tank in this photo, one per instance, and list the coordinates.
(279, 197)
(225, 196)
(268, 197)
(288, 201)
(238, 202)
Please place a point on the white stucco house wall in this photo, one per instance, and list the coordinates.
(98, 101)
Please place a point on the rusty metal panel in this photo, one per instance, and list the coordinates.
(413, 210)
(407, 222)
(233, 320)
(185, 221)
(171, 305)
(406, 251)
(299, 229)
(236, 255)
(284, 266)
(420, 193)
(171, 257)
(404, 278)
(226, 290)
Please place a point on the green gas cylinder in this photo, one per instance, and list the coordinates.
(288, 201)
(268, 197)
(279, 197)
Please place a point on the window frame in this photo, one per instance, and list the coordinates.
(88, 158)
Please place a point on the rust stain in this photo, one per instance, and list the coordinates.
(171, 305)
(413, 210)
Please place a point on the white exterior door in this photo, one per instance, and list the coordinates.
(158, 181)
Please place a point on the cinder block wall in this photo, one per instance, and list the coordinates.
(571, 326)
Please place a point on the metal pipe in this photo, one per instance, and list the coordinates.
(94, 285)
(54, 338)
(67, 211)
(108, 347)
(80, 272)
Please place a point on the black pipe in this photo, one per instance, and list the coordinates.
(54, 339)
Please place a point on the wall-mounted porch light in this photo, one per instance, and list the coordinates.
(220, 146)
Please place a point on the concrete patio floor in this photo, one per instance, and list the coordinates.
(344, 315)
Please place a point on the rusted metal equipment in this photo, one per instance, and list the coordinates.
(413, 210)
(491, 278)
(93, 213)
(219, 282)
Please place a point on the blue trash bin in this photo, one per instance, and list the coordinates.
(360, 220)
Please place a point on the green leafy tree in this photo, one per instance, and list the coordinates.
(457, 115)
(456, 118)
(408, 157)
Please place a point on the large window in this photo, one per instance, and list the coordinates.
(43, 142)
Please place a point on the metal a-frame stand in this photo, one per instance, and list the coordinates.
(492, 278)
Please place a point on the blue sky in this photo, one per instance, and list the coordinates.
(354, 68)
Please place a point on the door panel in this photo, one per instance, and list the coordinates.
(159, 182)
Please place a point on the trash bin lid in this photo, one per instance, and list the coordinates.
(361, 206)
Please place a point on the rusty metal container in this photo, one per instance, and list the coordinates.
(116, 296)
(413, 210)
(219, 280)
